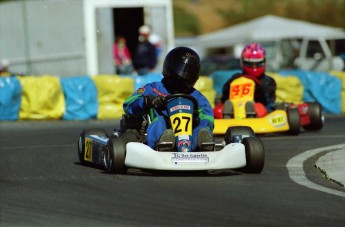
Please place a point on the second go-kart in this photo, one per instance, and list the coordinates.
(240, 149)
(286, 118)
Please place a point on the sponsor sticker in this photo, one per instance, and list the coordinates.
(183, 137)
(179, 107)
(304, 110)
(189, 158)
(277, 120)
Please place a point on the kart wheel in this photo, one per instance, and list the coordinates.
(315, 115)
(237, 133)
(81, 141)
(115, 154)
(255, 155)
(294, 121)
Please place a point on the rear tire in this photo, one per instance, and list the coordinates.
(294, 121)
(255, 155)
(81, 141)
(315, 115)
(115, 154)
(232, 133)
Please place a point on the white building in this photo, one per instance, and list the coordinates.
(75, 37)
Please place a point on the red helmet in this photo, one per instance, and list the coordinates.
(253, 60)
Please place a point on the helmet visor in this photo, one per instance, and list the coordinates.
(183, 70)
(253, 63)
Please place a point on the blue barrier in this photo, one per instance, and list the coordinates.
(80, 98)
(10, 98)
(321, 87)
(220, 77)
(140, 81)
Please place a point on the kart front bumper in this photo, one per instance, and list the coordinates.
(141, 156)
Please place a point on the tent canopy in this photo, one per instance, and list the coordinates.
(267, 28)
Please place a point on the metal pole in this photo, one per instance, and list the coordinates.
(26, 38)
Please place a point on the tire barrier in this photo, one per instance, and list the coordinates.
(101, 96)
(320, 87)
(140, 81)
(112, 92)
(205, 86)
(289, 88)
(10, 98)
(220, 77)
(42, 98)
(80, 97)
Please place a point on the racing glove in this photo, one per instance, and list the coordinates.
(158, 102)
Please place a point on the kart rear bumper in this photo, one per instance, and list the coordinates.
(276, 121)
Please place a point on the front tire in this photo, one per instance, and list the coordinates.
(115, 154)
(255, 155)
(81, 141)
(316, 117)
(232, 134)
(294, 121)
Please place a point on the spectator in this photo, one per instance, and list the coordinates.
(145, 57)
(155, 39)
(122, 56)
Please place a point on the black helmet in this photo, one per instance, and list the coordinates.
(181, 68)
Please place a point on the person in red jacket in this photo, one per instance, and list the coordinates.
(122, 56)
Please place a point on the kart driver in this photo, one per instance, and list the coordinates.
(253, 63)
(180, 72)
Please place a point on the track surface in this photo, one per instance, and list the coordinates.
(43, 184)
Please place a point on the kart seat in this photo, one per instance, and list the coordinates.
(131, 122)
(250, 110)
(228, 110)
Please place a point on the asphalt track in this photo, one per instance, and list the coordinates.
(43, 184)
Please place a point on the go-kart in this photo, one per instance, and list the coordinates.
(286, 118)
(127, 148)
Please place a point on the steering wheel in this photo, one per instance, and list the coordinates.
(187, 96)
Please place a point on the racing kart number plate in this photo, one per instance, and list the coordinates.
(181, 123)
(242, 88)
(189, 158)
(88, 149)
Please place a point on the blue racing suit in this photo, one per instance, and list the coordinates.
(134, 106)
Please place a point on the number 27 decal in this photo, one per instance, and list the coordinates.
(88, 149)
(181, 123)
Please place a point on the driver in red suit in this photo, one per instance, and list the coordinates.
(253, 63)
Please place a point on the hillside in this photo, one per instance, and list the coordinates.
(194, 17)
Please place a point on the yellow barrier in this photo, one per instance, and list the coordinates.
(205, 86)
(289, 88)
(112, 92)
(42, 98)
